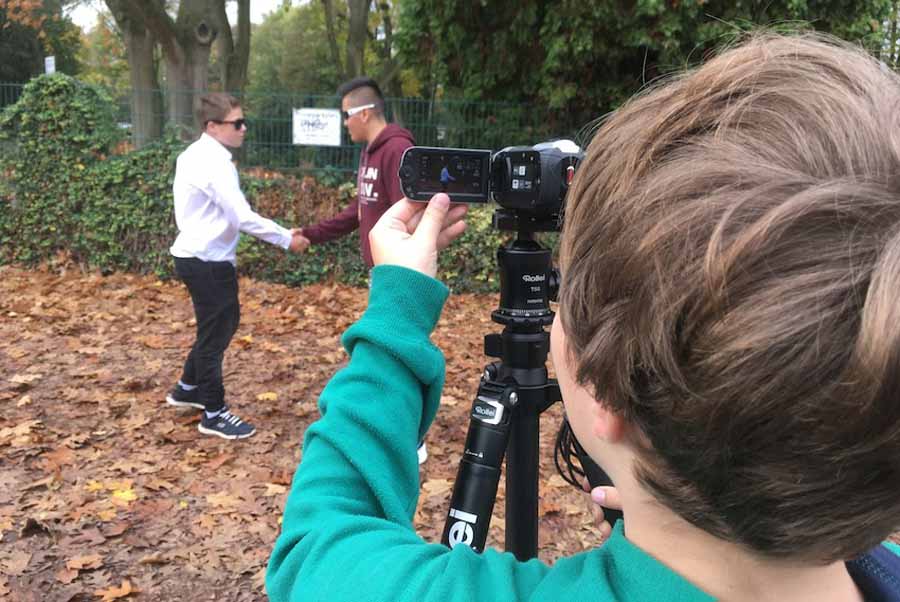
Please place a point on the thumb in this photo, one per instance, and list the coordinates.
(432, 221)
(607, 497)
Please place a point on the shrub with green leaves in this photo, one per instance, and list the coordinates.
(60, 128)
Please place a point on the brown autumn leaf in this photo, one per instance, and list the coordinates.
(61, 456)
(245, 342)
(218, 461)
(20, 434)
(79, 563)
(557, 482)
(437, 486)
(155, 484)
(107, 515)
(154, 558)
(5, 525)
(223, 500)
(153, 341)
(115, 530)
(15, 563)
(90, 350)
(66, 575)
(25, 379)
(549, 508)
(45, 482)
(114, 593)
(207, 522)
(273, 489)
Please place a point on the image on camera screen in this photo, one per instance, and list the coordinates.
(451, 173)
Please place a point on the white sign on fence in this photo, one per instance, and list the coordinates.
(317, 127)
(49, 64)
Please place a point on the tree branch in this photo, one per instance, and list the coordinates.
(225, 40)
(157, 20)
(328, 5)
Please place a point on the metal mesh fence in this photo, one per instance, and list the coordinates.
(446, 123)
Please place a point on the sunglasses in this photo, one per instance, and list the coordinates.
(353, 111)
(237, 123)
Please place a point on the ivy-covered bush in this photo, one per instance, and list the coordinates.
(126, 222)
(61, 129)
(66, 189)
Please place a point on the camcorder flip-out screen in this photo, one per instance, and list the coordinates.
(464, 174)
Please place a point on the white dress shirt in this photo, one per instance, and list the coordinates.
(210, 208)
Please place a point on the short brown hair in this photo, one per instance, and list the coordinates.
(215, 107)
(731, 273)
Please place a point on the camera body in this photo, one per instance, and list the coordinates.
(529, 179)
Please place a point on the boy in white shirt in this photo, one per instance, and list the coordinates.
(211, 212)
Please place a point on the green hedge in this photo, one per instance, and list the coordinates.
(66, 190)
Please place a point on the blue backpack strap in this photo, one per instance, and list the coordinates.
(877, 574)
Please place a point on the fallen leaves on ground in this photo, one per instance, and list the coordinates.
(108, 493)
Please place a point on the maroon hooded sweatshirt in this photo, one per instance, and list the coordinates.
(378, 187)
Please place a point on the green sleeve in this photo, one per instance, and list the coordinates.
(347, 532)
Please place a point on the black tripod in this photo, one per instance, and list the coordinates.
(511, 396)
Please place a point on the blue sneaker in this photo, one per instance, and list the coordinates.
(182, 398)
(225, 425)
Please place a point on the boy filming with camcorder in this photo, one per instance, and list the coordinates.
(727, 346)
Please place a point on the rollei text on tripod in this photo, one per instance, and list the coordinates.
(529, 184)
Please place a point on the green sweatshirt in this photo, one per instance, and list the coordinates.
(348, 533)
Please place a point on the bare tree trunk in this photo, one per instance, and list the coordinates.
(893, 46)
(357, 34)
(146, 100)
(234, 55)
(389, 71)
(328, 5)
(185, 44)
(187, 61)
(146, 97)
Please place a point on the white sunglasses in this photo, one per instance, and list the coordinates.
(353, 111)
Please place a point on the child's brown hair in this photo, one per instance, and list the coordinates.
(731, 274)
(215, 106)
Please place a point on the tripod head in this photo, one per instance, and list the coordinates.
(528, 280)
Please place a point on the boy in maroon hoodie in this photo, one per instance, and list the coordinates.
(378, 185)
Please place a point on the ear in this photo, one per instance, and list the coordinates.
(607, 425)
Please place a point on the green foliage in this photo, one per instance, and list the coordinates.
(582, 59)
(290, 53)
(61, 128)
(471, 262)
(26, 38)
(126, 221)
(103, 58)
(65, 192)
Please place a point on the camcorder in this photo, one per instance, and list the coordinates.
(528, 179)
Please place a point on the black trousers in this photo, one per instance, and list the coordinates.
(214, 292)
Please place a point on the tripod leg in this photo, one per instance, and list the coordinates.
(475, 489)
(522, 483)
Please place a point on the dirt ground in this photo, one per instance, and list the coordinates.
(106, 493)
